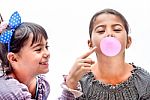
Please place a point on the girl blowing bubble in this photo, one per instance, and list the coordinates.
(110, 77)
(24, 57)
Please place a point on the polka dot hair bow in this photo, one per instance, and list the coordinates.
(14, 22)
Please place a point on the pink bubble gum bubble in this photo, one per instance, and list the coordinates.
(110, 46)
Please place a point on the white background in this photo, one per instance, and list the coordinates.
(67, 22)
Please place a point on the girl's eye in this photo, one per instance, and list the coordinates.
(117, 30)
(101, 31)
(38, 49)
(47, 47)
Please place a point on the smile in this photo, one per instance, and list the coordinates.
(43, 63)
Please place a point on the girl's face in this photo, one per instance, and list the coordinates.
(33, 59)
(109, 25)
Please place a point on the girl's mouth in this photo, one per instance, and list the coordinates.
(43, 63)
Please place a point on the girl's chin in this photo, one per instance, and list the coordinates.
(45, 71)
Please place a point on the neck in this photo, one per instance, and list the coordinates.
(112, 70)
(32, 86)
(30, 82)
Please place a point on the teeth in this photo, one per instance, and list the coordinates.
(44, 63)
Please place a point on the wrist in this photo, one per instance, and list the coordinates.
(70, 82)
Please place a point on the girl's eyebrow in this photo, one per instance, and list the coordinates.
(117, 25)
(39, 44)
(105, 26)
(36, 45)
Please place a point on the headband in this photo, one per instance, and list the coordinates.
(14, 22)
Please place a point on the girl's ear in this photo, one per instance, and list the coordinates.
(129, 41)
(90, 44)
(12, 58)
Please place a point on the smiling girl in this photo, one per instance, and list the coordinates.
(24, 57)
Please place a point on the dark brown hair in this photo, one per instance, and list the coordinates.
(18, 40)
(108, 11)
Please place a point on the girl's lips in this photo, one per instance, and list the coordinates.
(44, 64)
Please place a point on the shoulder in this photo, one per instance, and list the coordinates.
(11, 88)
(142, 81)
(142, 74)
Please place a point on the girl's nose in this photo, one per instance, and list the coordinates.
(46, 54)
(110, 35)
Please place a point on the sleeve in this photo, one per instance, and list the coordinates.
(143, 84)
(70, 94)
(66, 95)
(146, 96)
(13, 90)
(42, 88)
(76, 93)
(24, 94)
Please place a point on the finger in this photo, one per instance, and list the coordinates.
(85, 65)
(88, 53)
(87, 60)
(79, 73)
(84, 70)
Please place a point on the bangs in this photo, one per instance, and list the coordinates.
(37, 38)
(22, 33)
(38, 34)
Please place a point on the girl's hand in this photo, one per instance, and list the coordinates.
(81, 66)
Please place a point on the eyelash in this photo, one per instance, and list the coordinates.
(38, 49)
(117, 30)
(47, 47)
(100, 32)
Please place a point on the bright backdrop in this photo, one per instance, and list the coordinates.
(66, 22)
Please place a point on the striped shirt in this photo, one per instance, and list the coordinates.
(137, 87)
(12, 89)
